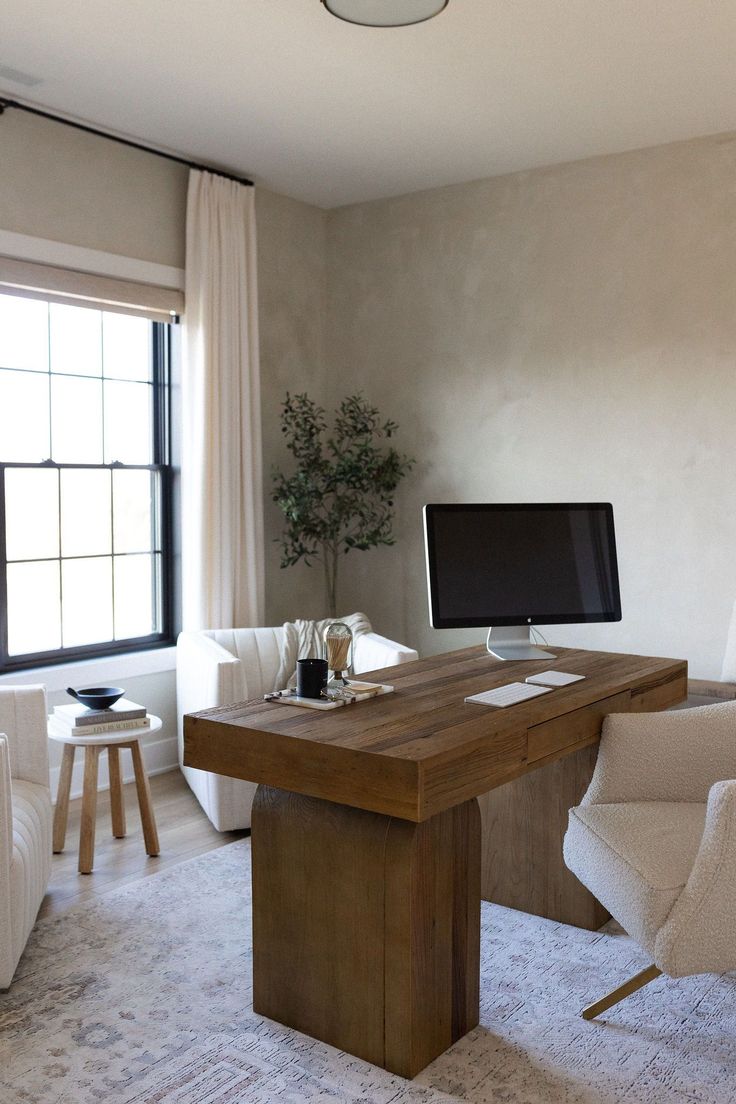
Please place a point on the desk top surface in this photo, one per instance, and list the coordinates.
(422, 749)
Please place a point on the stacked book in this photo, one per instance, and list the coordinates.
(78, 720)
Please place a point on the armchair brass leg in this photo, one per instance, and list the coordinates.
(625, 990)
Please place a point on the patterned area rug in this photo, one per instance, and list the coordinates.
(144, 998)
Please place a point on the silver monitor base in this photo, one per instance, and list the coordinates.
(513, 643)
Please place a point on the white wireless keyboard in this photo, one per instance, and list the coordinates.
(511, 694)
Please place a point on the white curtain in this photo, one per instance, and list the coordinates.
(222, 492)
(728, 673)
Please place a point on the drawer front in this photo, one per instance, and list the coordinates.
(572, 728)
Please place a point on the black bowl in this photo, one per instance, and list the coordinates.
(97, 697)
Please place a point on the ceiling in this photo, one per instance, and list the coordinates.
(333, 113)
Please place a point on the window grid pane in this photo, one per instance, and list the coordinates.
(34, 607)
(86, 601)
(31, 514)
(136, 605)
(126, 348)
(24, 417)
(24, 334)
(100, 588)
(136, 497)
(84, 562)
(86, 512)
(128, 422)
(75, 340)
(76, 425)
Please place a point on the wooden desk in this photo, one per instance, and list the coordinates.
(366, 836)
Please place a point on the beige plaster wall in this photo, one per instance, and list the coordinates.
(72, 187)
(291, 311)
(562, 334)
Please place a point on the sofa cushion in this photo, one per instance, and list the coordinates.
(635, 857)
(31, 859)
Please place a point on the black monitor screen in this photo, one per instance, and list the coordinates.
(512, 564)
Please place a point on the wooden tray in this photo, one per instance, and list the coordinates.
(321, 703)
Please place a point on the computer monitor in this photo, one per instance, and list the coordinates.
(512, 565)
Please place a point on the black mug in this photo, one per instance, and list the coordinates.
(311, 677)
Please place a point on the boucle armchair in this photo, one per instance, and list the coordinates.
(222, 666)
(654, 839)
(25, 819)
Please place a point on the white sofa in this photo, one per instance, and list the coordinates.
(221, 666)
(654, 838)
(25, 819)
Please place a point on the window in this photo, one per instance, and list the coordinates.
(84, 482)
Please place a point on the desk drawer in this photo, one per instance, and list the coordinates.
(571, 728)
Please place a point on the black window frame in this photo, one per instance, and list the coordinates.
(161, 338)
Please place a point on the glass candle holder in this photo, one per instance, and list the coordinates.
(338, 651)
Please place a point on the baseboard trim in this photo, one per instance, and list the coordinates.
(158, 756)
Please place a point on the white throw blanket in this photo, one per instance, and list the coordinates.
(305, 640)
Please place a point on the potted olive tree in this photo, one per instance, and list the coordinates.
(339, 497)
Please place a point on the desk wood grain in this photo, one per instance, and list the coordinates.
(423, 749)
(366, 928)
(367, 869)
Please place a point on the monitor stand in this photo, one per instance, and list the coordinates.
(514, 642)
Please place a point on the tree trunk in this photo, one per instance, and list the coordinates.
(331, 557)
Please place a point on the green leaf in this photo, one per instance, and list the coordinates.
(339, 494)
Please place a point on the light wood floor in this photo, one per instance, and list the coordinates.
(184, 832)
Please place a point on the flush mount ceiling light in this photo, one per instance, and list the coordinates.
(385, 13)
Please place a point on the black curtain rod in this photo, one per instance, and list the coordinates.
(4, 103)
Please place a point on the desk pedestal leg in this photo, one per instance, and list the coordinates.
(366, 928)
(524, 823)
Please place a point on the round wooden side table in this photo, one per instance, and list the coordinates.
(93, 745)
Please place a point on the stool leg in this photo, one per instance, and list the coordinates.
(89, 810)
(150, 834)
(61, 812)
(117, 804)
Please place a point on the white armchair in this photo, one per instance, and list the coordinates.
(25, 819)
(654, 838)
(222, 666)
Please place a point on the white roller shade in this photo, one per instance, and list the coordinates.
(63, 285)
